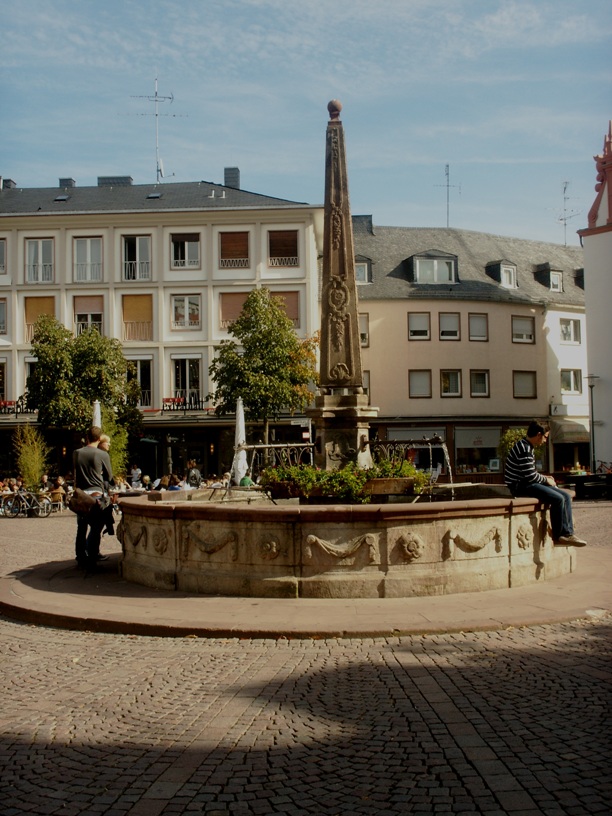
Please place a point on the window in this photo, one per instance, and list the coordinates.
(141, 371)
(290, 301)
(449, 326)
(524, 384)
(435, 270)
(3, 381)
(187, 379)
(3, 316)
(507, 276)
(523, 330)
(186, 312)
(137, 317)
(185, 251)
(571, 381)
(362, 272)
(39, 260)
(87, 259)
(34, 308)
(88, 313)
(137, 257)
(556, 281)
(479, 383)
(450, 383)
(234, 250)
(2, 256)
(366, 384)
(418, 326)
(570, 331)
(419, 384)
(230, 306)
(479, 327)
(364, 329)
(282, 248)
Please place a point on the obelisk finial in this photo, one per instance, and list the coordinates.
(334, 107)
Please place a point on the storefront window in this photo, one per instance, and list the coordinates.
(476, 450)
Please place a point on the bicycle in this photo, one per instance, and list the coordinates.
(26, 503)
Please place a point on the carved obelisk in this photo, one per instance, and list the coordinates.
(341, 411)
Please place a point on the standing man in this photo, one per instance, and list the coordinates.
(92, 468)
(523, 479)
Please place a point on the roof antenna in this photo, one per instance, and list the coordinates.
(448, 185)
(563, 219)
(156, 98)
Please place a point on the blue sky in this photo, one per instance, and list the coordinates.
(514, 95)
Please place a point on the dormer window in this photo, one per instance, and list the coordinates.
(504, 272)
(435, 270)
(556, 281)
(507, 274)
(363, 272)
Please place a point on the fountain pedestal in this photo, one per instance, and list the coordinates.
(342, 425)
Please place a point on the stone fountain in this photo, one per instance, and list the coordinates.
(337, 551)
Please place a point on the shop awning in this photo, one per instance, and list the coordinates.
(570, 430)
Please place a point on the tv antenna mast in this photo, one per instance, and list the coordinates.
(156, 98)
(563, 219)
(448, 186)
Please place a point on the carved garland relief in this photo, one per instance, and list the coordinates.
(452, 540)
(346, 550)
(135, 535)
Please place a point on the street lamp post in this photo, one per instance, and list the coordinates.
(591, 378)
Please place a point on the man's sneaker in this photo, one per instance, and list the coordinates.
(570, 541)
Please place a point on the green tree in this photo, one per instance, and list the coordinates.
(71, 372)
(32, 453)
(266, 363)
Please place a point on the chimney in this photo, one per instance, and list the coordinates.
(232, 177)
(67, 182)
(114, 181)
(9, 184)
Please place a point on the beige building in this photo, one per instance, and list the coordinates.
(466, 334)
(165, 269)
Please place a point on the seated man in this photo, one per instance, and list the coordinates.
(523, 479)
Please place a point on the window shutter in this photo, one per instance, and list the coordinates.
(37, 306)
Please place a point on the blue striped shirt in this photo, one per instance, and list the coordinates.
(520, 466)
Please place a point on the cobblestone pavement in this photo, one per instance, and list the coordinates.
(511, 722)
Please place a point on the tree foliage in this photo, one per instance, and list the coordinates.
(72, 372)
(266, 363)
(32, 453)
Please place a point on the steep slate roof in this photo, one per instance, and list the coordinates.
(124, 198)
(389, 249)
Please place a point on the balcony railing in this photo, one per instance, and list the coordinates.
(182, 263)
(234, 263)
(137, 330)
(145, 398)
(186, 324)
(15, 407)
(87, 272)
(286, 260)
(137, 270)
(39, 273)
(183, 400)
(82, 326)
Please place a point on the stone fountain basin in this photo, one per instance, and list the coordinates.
(338, 551)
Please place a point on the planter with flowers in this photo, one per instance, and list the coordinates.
(350, 484)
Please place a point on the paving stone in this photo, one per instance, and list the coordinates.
(500, 723)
